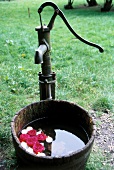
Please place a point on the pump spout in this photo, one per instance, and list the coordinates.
(39, 52)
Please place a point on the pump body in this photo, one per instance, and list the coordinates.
(47, 78)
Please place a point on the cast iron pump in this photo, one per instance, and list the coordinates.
(47, 78)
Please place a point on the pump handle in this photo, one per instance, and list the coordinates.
(60, 13)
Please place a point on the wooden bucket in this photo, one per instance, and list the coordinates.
(57, 111)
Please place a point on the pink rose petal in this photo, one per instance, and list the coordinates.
(32, 132)
(23, 137)
(41, 137)
(31, 140)
(37, 147)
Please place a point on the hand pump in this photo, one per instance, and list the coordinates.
(47, 78)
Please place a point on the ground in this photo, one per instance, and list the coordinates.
(105, 134)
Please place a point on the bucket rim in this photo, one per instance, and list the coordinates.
(80, 151)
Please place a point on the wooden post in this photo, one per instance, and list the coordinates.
(29, 12)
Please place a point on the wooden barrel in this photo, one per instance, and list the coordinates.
(57, 111)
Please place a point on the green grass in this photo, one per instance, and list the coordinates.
(84, 76)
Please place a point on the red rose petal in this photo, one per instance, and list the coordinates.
(31, 140)
(37, 147)
(41, 137)
(23, 137)
(32, 132)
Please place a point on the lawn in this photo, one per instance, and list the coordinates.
(84, 76)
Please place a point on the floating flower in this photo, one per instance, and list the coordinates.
(37, 147)
(23, 137)
(29, 128)
(41, 154)
(41, 137)
(24, 145)
(24, 131)
(31, 140)
(49, 139)
(30, 150)
(38, 132)
(32, 132)
(42, 144)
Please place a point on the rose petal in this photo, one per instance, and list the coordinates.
(24, 131)
(41, 137)
(23, 137)
(29, 128)
(24, 145)
(37, 147)
(49, 139)
(30, 150)
(42, 144)
(31, 140)
(41, 154)
(32, 132)
(39, 132)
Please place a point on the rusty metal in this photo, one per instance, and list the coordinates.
(57, 11)
(47, 78)
(42, 54)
